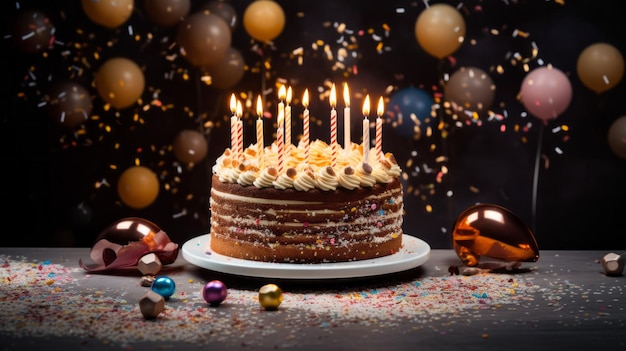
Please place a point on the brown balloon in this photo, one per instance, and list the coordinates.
(616, 137)
(224, 10)
(138, 187)
(120, 82)
(440, 30)
(600, 67)
(204, 39)
(470, 88)
(32, 31)
(493, 231)
(190, 146)
(228, 72)
(264, 20)
(108, 13)
(167, 13)
(69, 104)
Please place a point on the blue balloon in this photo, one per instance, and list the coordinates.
(409, 101)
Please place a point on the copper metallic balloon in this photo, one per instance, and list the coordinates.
(440, 30)
(108, 13)
(493, 231)
(470, 88)
(224, 10)
(229, 71)
(120, 82)
(190, 146)
(264, 20)
(204, 39)
(123, 243)
(138, 187)
(167, 13)
(69, 104)
(33, 31)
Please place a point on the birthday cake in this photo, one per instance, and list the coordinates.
(308, 211)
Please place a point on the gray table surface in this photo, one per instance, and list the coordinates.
(562, 301)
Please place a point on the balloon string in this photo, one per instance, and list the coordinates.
(264, 59)
(536, 177)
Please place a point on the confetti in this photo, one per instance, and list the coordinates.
(34, 307)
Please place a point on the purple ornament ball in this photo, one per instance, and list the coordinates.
(214, 292)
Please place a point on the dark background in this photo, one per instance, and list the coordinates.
(49, 174)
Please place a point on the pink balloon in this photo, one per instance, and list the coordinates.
(546, 92)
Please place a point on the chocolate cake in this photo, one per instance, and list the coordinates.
(308, 212)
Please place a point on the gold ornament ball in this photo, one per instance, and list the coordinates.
(270, 296)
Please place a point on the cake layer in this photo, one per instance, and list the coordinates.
(287, 225)
(303, 253)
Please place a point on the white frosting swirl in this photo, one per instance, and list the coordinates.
(364, 172)
(248, 176)
(305, 180)
(394, 169)
(266, 178)
(348, 179)
(380, 173)
(326, 178)
(231, 174)
(285, 180)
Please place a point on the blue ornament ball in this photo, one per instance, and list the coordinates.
(409, 101)
(164, 286)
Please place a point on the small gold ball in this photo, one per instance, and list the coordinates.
(270, 296)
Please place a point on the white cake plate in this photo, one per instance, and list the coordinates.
(414, 253)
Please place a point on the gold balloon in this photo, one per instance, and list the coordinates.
(138, 187)
(190, 146)
(270, 296)
(600, 67)
(120, 82)
(493, 231)
(264, 20)
(108, 13)
(440, 30)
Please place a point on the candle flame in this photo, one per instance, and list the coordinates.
(259, 106)
(333, 96)
(239, 109)
(346, 94)
(282, 93)
(366, 106)
(305, 98)
(289, 93)
(233, 103)
(381, 107)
